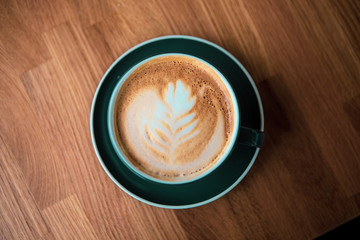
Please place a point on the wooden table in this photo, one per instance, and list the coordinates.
(303, 56)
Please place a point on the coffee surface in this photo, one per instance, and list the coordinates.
(173, 117)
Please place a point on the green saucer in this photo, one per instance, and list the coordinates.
(208, 188)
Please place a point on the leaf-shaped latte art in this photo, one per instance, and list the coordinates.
(173, 122)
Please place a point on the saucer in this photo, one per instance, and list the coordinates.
(222, 179)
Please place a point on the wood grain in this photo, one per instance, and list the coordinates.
(67, 220)
(303, 55)
(20, 216)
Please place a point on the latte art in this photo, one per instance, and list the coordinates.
(173, 118)
(172, 122)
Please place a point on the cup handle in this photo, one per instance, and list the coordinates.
(251, 137)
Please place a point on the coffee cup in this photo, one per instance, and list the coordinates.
(174, 118)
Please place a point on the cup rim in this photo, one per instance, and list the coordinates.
(111, 127)
(98, 151)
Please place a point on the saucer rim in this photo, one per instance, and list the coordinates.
(94, 140)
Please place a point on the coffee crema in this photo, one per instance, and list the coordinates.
(173, 117)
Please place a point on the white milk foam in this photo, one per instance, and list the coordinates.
(163, 125)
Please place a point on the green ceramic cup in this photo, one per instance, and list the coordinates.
(219, 181)
(240, 135)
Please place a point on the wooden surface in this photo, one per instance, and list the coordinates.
(303, 56)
